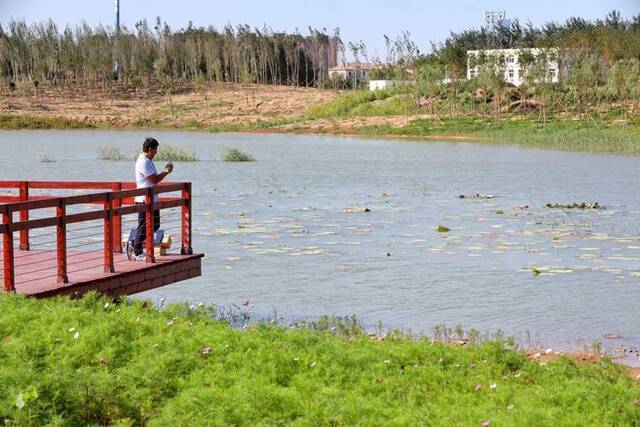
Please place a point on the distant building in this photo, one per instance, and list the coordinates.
(355, 71)
(322, 53)
(514, 72)
(384, 84)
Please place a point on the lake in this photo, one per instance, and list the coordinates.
(334, 225)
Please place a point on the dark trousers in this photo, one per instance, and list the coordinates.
(141, 234)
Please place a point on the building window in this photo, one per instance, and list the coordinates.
(552, 73)
(511, 74)
(511, 59)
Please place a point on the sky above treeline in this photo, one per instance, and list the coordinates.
(369, 21)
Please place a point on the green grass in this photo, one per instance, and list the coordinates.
(107, 152)
(362, 102)
(23, 121)
(556, 134)
(167, 153)
(232, 154)
(91, 361)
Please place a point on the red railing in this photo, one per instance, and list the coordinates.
(115, 203)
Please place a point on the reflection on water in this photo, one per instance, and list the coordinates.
(325, 225)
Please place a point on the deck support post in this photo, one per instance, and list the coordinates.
(7, 252)
(148, 241)
(61, 244)
(24, 216)
(187, 248)
(117, 221)
(108, 235)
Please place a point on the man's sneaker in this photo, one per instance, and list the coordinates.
(130, 250)
(141, 257)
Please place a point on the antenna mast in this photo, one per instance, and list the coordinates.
(116, 66)
(493, 19)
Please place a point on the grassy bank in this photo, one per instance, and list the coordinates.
(372, 113)
(385, 113)
(93, 361)
(567, 135)
(24, 121)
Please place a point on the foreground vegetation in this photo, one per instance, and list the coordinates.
(95, 361)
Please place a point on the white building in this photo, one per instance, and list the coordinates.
(514, 72)
(356, 71)
(385, 84)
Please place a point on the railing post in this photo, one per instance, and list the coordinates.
(61, 243)
(7, 252)
(149, 229)
(187, 248)
(24, 216)
(117, 221)
(108, 235)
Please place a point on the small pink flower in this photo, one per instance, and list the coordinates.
(205, 350)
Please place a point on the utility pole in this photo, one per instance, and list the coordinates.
(116, 66)
(494, 19)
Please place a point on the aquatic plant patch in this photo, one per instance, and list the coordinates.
(582, 205)
(232, 154)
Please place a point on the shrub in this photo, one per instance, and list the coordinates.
(231, 154)
(168, 153)
(107, 152)
(44, 158)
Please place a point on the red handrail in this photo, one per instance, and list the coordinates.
(115, 203)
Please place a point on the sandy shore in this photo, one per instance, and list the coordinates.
(250, 108)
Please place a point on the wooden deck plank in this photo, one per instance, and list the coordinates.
(36, 273)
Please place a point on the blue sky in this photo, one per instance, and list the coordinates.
(365, 20)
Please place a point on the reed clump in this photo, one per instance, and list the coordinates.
(232, 154)
(169, 153)
(107, 152)
(46, 158)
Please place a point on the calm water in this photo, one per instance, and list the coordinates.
(289, 232)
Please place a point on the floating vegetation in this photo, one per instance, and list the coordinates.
(476, 196)
(231, 154)
(168, 153)
(107, 152)
(443, 229)
(582, 205)
(45, 158)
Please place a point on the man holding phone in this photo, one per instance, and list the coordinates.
(146, 176)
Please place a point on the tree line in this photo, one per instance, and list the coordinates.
(41, 52)
(595, 62)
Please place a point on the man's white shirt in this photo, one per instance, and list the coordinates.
(144, 169)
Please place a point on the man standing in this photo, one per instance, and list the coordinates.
(146, 177)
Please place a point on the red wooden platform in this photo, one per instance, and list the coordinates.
(44, 273)
(129, 277)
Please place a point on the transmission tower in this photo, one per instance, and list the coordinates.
(116, 66)
(493, 19)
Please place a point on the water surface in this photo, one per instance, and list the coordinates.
(290, 232)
